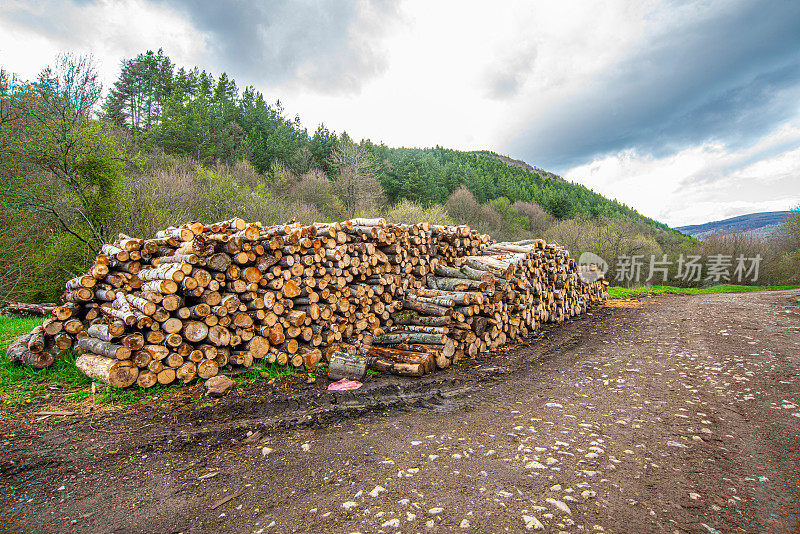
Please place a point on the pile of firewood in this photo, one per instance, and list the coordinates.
(197, 298)
(479, 303)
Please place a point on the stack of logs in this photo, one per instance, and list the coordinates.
(197, 298)
(479, 303)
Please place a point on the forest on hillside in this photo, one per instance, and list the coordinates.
(190, 113)
(166, 145)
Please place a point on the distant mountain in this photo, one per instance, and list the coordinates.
(758, 224)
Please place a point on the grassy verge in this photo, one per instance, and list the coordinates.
(615, 292)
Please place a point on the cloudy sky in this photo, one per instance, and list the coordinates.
(687, 111)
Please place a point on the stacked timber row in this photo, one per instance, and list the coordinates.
(198, 298)
(480, 303)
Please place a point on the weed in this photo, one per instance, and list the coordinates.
(78, 396)
(273, 370)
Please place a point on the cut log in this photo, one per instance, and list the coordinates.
(207, 369)
(104, 348)
(413, 318)
(186, 372)
(23, 308)
(134, 341)
(113, 372)
(258, 347)
(291, 289)
(18, 352)
(166, 376)
(426, 308)
(411, 337)
(36, 341)
(219, 335)
(456, 284)
(147, 378)
(195, 331)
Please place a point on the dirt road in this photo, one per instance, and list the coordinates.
(679, 415)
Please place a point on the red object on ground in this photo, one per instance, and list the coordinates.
(345, 385)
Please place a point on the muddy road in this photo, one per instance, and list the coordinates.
(676, 414)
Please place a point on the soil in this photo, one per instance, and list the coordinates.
(668, 414)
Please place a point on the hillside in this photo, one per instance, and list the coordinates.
(759, 224)
(209, 119)
(522, 165)
(430, 175)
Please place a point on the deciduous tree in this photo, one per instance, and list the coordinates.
(356, 177)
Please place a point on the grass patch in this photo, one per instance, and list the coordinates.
(21, 384)
(253, 374)
(615, 292)
(12, 327)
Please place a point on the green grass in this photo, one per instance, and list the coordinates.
(615, 292)
(21, 385)
(11, 327)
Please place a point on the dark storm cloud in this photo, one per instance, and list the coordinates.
(329, 45)
(729, 77)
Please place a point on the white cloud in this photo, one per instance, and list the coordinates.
(108, 31)
(703, 183)
(443, 57)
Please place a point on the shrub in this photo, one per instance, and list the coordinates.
(513, 226)
(464, 209)
(538, 219)
(410, 212)
(315, 188)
